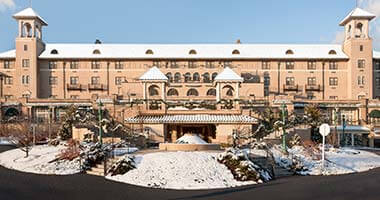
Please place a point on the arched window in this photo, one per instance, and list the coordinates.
(149, 52)
(289, 52)
(332, 52)
(173, 92)
(228, 90)
(214, 75)
(170, 77)
(153, 90)
(54, 51)
(192, 92)
(206, 77)
(192, 52)
(177, 77)
(236, 52)
(196, 77)
(27, 30)
(187, 77)
(96, 52)
(211, 92)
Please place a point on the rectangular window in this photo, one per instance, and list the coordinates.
(227, 64)
(289, 65)
(74, 80)
(52, 80)
(119, 80)
(377, 81)
(377, 65)
(74, 65)
(266, 80)
(95, 65)
(290, 81)
(156, 64)
(361, 48)
(173, 64)
(119, 65)
(265, 65)
(312, 65)
(333, 97)
(192, 64)
(312, 81)
(8, 96)
(333, 66)
(25, 79)
(333, 81)
(209, 64)
(95, 80)
(310, 95)
(52, 65)
(8, 80)
(25, 47)
(25, 63)
(7, 64)
(361, 80)
(361, 63)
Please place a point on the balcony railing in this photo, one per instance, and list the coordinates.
(75, 87)
(292, 88)
(97, 87)
(313, 88)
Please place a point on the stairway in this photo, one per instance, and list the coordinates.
(270, 166)
(98, 170)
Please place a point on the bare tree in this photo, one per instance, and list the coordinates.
(21, 135)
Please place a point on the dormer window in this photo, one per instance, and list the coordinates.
(332, 52)
(235, 52)
(54, 52)
(192, 52)
(289, 52)
(96, 52)
(149, 52)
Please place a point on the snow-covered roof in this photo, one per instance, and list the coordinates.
(376, 54)
(153, 74)
(8, 54)
(193, 119)
(357, 13)
(29, 13)
(200, 51)
(228, 75)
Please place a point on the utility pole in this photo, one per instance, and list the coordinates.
(100, 122)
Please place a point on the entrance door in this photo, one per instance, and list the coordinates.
(205, 131)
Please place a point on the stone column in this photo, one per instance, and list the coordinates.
(237, 95)
(218, 91)
(163, 91)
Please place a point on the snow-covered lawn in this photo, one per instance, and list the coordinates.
(180, 170)
(38, 161)
(338, 161)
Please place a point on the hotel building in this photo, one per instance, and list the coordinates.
(209, 89)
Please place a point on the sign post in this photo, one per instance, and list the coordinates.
(324, 130)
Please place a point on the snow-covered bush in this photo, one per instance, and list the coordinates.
(259, 146)
(71, 152)
(241, 167)
(122, 166)
(295, 141)
(92, 155)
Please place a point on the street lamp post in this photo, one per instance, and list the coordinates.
(283, 111)
(100, 122)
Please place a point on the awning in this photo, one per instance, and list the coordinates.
(192, 119)
(349, 129)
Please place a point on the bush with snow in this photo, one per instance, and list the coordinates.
(241, 167)
(295, 141)
(92, 155)
(190, 139)
(122, 166)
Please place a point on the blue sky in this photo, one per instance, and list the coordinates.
(180, 21)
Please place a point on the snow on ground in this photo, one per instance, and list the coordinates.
(180, 170)
(338, 161)
(190, 139)
(38, 161)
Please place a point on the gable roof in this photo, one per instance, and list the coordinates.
(228, 75)
(204, 51)
(153, 74)
(8, 54)
(29, 13)
(376, 54)
(357, 13)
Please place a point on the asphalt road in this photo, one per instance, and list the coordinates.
(16, 185)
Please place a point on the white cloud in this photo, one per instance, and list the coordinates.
(6, 4)
(339, 37)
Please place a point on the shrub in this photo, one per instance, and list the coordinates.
(122, 166)
(295, 141)
(71, 152)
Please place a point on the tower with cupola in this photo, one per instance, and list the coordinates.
(358, 46)
(29, 45)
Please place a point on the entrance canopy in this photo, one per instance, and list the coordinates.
(352, 129)
(192, 119)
